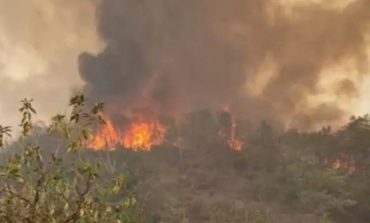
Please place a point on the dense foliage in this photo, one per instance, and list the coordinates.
(56, 184)
(194, 176)
(289, 176)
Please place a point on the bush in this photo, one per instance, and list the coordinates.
(41, 185)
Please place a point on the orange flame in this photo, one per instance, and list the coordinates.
(106, 137)
(143, 136)
(138, 136)
(231, 136)
(236, 144)
(339, 164)
(233, 141)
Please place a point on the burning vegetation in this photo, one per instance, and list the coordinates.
(307, 172)
(262, 57)
(140, 135)
(279, 61)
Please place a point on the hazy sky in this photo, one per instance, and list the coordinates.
(41, 40)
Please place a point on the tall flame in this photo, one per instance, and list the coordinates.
(140, 135)
(106, 137)
(235, 143)
(143, 136)
(143, 133)
(230, 134)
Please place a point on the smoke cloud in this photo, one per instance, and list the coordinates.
(263, 58)
(40, 41)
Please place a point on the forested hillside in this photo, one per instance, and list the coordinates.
(193, 176)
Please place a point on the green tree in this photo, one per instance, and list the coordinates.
(264, 148)
(61, 186)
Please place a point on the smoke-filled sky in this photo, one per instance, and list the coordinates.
(300, 62)
(40, 41)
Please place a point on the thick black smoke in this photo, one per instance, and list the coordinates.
(180, 55)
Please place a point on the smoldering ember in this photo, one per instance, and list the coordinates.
(193, 111)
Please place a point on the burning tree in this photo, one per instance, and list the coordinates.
(140, 135)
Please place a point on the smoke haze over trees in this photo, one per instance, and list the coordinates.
(292, 61)
(214, 111)
(258, 56)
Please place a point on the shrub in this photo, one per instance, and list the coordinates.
(41, 185)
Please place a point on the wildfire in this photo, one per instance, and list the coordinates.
(139, 135)
(229, 133)
(234, 142)
(145, 132)
(106, 137)
(338, 164)
(143, 136)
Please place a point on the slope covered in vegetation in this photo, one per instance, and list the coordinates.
(194, 176)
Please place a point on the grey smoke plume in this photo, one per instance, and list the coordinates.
(259, 57)
(39, 43)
